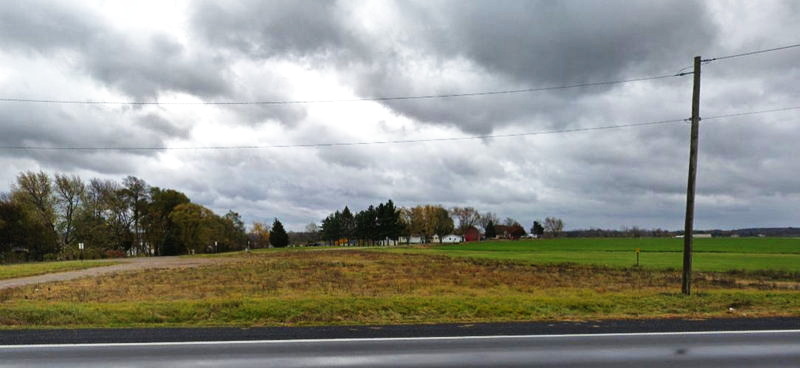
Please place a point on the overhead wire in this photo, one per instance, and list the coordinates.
(751, 53)
(737, 114)
(300, 102)
(680, 73)
(340, 144)
(400, 141)
(432, 96)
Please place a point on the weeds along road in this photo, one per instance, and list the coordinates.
(686, 349)
(128, 264)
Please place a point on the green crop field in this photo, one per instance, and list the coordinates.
(714, 254)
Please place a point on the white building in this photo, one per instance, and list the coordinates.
(696, 235)
(411, 240)
(388, 241)
(449, 239)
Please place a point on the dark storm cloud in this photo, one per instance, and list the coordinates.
(517, 44)
(141, 67)
(534, 44)
(37, 25)
(57, 127)
(276, 28)
(161, 125)
(157, 64)
(261, 51)
(570, 41)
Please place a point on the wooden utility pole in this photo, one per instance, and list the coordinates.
(688, 231)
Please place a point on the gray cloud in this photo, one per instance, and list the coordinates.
(159, 124)
(140, 67)
(276, 28)
(469, 47)
(240, 50)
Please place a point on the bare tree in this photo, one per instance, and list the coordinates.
(467, 217)
(135, 193)
(553, 226)
(117, 212)
(312, 228)
(488, 217)
(70, 192)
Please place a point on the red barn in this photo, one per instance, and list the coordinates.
(472, 234)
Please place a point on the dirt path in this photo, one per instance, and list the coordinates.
(129, 264)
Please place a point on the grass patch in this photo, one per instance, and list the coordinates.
(32, 269)
(330, 287)
(395, 310)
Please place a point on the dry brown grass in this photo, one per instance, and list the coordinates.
(290, 288)
(353, 273)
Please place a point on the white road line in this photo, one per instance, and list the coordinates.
(182, 343)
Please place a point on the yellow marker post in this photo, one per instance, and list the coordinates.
(637, 250)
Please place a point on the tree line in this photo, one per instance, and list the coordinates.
(45, 217)
(386, 223)
(369, 226)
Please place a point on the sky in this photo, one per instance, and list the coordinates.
(179, 52)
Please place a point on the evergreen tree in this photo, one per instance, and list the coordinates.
(347, 224)
(537, 229)
(367, 225)
(490, 231)
(390, 225)
(278, 237)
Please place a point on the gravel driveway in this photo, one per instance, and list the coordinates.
(129, 264)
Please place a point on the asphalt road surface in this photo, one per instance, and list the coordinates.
(659, 349)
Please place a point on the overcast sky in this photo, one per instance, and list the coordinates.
(194, 51)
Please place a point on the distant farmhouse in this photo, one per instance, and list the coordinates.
(696, 235)
(449, 239)
(472, 234)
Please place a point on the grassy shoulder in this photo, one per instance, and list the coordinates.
(32, 269)
(276, 311)
(339, 287)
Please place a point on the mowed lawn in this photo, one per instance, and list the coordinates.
(360, 286)
(11, 271)
(714, 254)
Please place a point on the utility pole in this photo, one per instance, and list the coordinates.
(688, 231)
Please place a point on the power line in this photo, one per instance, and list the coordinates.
(401, 141)
(392, 98)
(300, 102)
(751, 53)
(732, 115)
(341, 144)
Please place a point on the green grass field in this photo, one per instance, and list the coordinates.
(714, 254)
(320, 286)
(554, 279)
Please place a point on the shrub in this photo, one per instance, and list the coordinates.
(113, 253)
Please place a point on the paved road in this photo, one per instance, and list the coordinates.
(145, 335)
(128, 264)
(689, 349)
